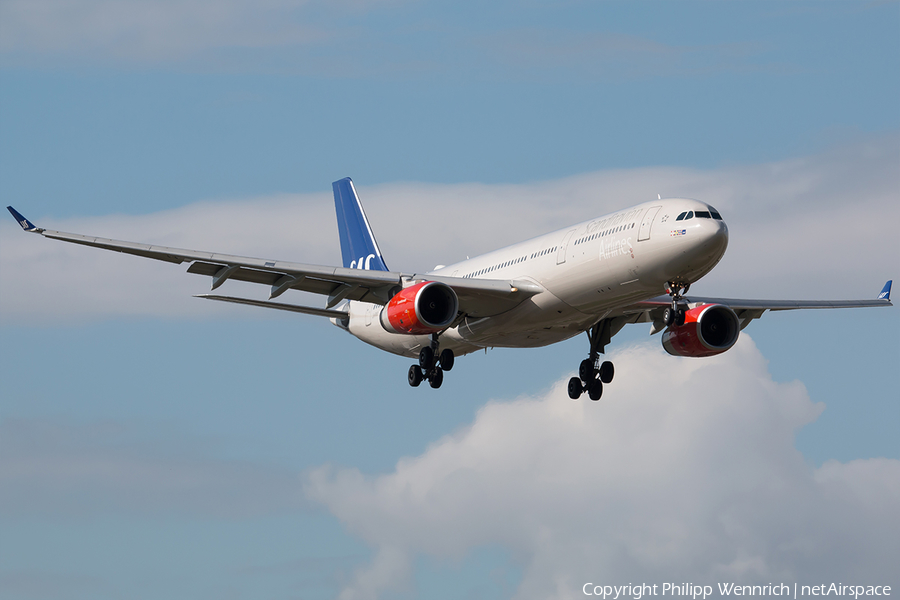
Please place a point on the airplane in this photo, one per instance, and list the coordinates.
(595, 277)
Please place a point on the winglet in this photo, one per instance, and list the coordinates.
(886, 291)
(25, 223)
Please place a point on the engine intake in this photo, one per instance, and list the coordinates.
(424, 308)
(708, 330)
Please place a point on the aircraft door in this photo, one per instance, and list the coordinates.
(561, 255)
(647, 223)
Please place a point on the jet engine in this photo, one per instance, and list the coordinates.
(424, 308)
(708, 330)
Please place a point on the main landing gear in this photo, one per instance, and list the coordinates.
(431, 365)
(591, 377)
(675, 314)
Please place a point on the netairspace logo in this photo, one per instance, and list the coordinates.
(636, 592)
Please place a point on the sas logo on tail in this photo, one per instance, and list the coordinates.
(678, 232)
(361, 263)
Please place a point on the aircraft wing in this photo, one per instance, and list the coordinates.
(651, 310)
(477, 297)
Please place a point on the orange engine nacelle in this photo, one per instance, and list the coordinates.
(708, 330)
(424, 308)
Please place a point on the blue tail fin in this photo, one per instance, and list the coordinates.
(886, 291)
(359, 249)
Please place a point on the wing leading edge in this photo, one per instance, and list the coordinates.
(746, 309)
(477, 297)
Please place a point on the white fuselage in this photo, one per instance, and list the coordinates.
(585, 270)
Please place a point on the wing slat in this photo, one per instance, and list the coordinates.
(477, 297)
(746, 304)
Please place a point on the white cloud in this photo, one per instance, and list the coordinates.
(813, 227)
(60, 469)
(154, 30)
(689, 475)
(44, 279)
(309, 36)
(561, 54)
(312, 36)
(793, 223)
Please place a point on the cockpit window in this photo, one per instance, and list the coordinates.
(681, 216)
(690, 215)
(715, 214)
(703, 214)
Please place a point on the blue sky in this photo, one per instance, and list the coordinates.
(151, 445)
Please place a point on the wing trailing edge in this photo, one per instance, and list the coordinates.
(307, 310)
(478, 297)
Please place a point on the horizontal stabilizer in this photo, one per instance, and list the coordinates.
(309, 310)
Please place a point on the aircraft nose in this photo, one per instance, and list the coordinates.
(716, 236)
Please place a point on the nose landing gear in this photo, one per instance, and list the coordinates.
(431, 365)
(591, 377)
(675, 314)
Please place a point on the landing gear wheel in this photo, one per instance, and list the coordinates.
(674, 315)
(447, 359)
(595, 390)
(414, 375)
(669, 316)
(607, 371)
(586, 370)
(426, 358)
(436, 378)
(593, 378)
(575, 388)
